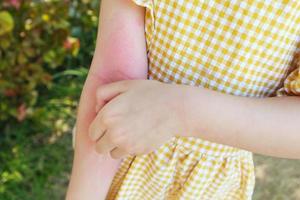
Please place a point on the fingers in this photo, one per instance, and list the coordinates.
(104, 145)
(107, 92)
(118, 153)
(97, 128)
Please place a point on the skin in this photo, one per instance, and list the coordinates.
(120, 54)
(131, 123)
(134, 123)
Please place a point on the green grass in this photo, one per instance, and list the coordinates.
(35, 171)
(36, 154)
(277, 179)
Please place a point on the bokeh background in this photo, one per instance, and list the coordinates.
(46, 48)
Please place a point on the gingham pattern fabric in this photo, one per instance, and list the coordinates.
(237, 47)
(291, 85)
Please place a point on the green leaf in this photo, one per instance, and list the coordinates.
(81, 72)
(6, 22)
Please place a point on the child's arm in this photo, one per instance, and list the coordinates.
(268, 126)
(120, 54)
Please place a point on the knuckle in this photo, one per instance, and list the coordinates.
(112, 138)
(119, 132)
(115, 139)
(106, 119)
(110, 117)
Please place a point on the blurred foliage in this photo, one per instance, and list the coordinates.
(46, 47)
(37, 40)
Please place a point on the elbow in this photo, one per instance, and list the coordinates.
(121, 56)
(111, 71)
(122, 74)
(120, 65)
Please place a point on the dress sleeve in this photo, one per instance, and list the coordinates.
(144, 3)
(291, 84)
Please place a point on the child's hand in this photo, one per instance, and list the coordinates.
(140, 116)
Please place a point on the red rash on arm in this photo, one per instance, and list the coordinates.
(120, 57)
(120, 54)
(122, 49)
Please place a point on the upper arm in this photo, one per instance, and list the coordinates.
(121, 43)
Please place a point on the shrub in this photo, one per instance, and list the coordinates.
(37, 40)
(45, 49)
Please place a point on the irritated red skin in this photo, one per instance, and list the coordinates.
(120, 55)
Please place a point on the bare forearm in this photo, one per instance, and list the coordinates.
(120, 54)
(268, 126)
(91, 173)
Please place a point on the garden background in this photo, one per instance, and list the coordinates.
(46, 47)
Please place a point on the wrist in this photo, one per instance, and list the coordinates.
(194, 104)
(184, 110)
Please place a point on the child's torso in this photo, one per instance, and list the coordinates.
(241, 47)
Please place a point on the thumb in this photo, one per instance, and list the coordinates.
(109, 91)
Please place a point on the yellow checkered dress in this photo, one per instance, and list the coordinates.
(240, 47)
